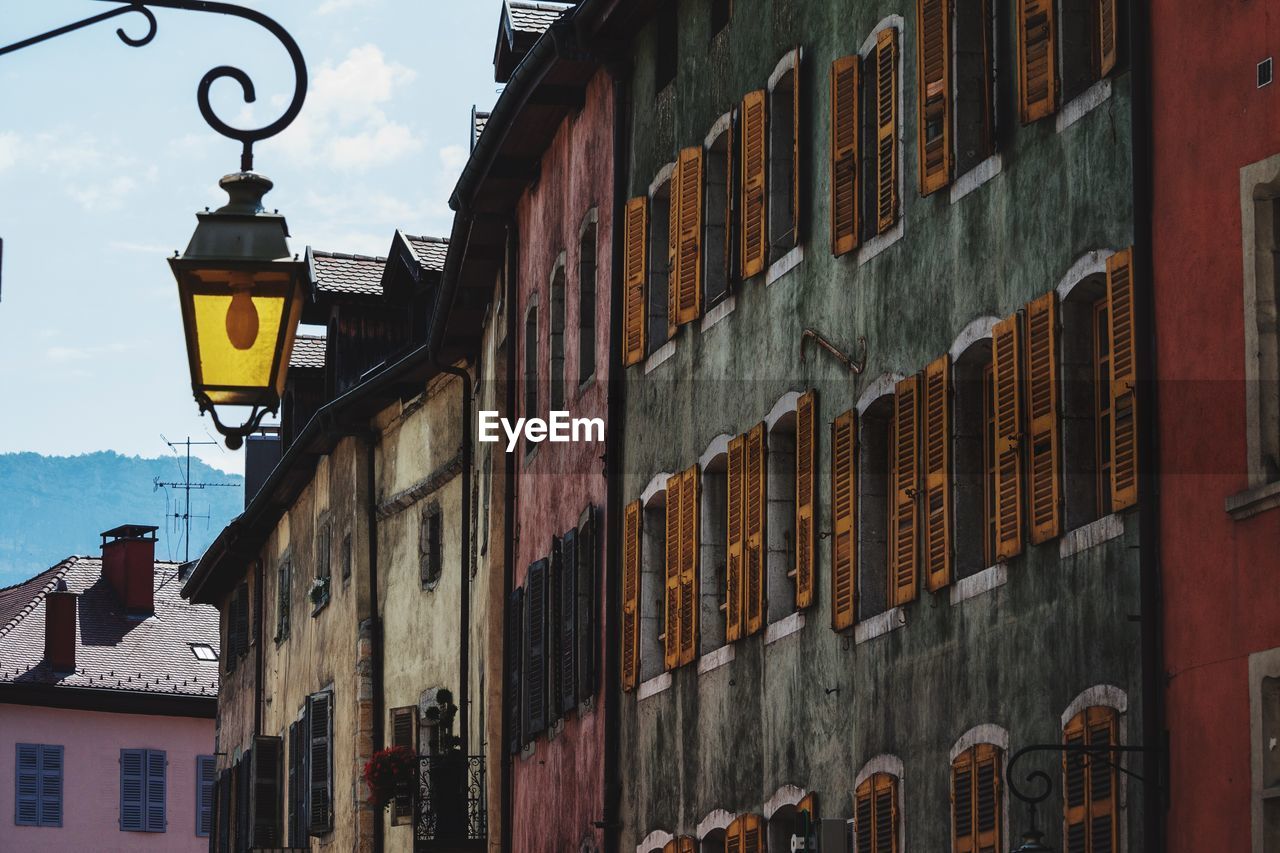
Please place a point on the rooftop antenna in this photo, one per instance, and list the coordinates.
(183, 514)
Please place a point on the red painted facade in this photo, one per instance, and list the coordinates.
(1221, 596)
(559, 480)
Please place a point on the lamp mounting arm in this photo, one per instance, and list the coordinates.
(246, 136)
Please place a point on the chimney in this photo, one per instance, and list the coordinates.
(60, 628)
(128, 564)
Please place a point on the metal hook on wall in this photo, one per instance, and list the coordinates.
(855, 366)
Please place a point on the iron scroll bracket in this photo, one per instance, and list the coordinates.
(854, 366)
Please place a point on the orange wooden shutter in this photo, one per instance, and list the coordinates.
(886, 129)
(844, 155)
(671, 595)
(844, 511)
(688, 845)
(1044, 487)
(690, 497)
(1075, 799)
(1103, 788)
(1037, 59)
(633, 317)
(755, 241)
(752, 834)
(937, 473)
(886, 813)
(755, 506)
(1006, 374)
(672, 846)
(962, 832)
(806, 462)
(1124, 374)
(733, 837)
(933, 67)
(687, 276)
(904, 527)
(807, 814)
(735, 547)
(864, 819)
(631, 596)
(988, 801)
(1106, 37)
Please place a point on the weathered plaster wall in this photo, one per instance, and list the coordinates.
(811, 708)
(558, 481)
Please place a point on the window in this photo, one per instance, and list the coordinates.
(712, 555)
(873, 506)
(721, 12)
(404, 732)
(683, 844)
(143, 790)
(284, 592)
(1261, 326)
(955, 121)
(236, 644)
(680, 570)
(319, 759)
(557, 337)
(653, 597)
(1086, 401)
(297, 782)
(1086, 36)
(206, 778)
(204, 652)
(587, 300)
(658, 316)
(780, 523)
(1090, 783)
(975, 83)
(262, 817)
(430, 547)
(534, 678)
(717, 239)
(346, 558)
(971, 486)
(990, 536)
(531, 367)
(792, 820)
(321, 589)
(588, 571)
(515, 670)
(977, 800)
(38, 788)
(880, 129)
(666, 52)
(784, 157)
(746, 834)
(875, 815)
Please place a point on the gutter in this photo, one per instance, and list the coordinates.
(509, 524)
(375, 614)
(109, 700)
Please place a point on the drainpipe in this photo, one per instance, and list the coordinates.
(509, 527)
(258, 575)
(1155, 792)
(375, 619)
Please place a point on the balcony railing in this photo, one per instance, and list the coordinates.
(449, 811)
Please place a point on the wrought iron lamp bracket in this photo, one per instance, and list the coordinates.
(235, 435)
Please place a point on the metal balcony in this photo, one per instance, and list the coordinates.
(449, 810)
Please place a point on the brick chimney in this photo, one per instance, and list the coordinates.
(128, 564)
(60, 628)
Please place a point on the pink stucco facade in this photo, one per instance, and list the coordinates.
(91, 744)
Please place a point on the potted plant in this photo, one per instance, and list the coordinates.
(389, 774)
(319, 593)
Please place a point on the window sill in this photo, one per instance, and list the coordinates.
(976, 177)
(784, 265)
(653, 686)
(1253, 501)
(880, 242)
(320, 605)
(879, 625)
(1091, 535)
(722, 309)
(659, 355)
(977, 583)
(1083, 104)
(716, 659)
(784, 627)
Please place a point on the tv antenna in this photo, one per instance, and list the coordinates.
(183, 514)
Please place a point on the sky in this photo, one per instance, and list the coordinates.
(104, 160)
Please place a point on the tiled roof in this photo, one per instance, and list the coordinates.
(308, 351)
(535, 17)
(430, 252)
(114, 651)
(336, 272)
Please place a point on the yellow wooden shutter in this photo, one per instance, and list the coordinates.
(631, 595)
(844, 155)
(1124, 375)
(1044, 486)
(687, 277)
(672, 846)
(963, 837)
(937, 473)
(671, 594)
(753, 834)
(864, 819)
(806, 462)
(886, 129)
(1037, 59)
(690, 498)
(1006, 375)
(1075, 798)
(1106, 37)
(904, 526)
(844, 511)
(733, 837)
(1101, 729)
(633, 317)
(933, 67)
(688, 845)
(755, 507)
(988, 801)
(735, 547)
(755, 241)
(886, 813)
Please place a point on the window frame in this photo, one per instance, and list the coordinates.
(40, 752)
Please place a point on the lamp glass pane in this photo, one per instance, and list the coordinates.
(222, 363)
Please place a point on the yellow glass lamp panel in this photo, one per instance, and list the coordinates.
(236, 341)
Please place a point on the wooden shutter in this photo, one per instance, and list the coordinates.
(320, 763)
(634, 276)
(295, 811)
(905, 476)
(806, 465)
(690, 498)
(963, 839)
(937, 473)
(988, 808)
(566, 655)
(671, 575)
(735, 547)
(222, 812)
(933, 96)
(844, 512)
(588, 571)
(404, 732)
(132, 790)
(206, 781)
(753, 840)
(687, 845)
(1124, 374)
(755, 506)
(1103, 788)
(863, 819)
(886, 129)
(267, 760)
(687, 275)
(1044, 487)
(1106, 37)
(631, 595)
(733, 836)
(755, 240)
(27, 782)
(807, 816)
(1037, 59)
(886, 813)
(535, 682)
(515, 635)
(1075, 803)
(1006, 375)
(844, 155)
(555, 579)
(243, 781)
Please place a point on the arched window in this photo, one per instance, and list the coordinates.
(658, 325)
(557, 335)
(973, 440)
(587, 299)
(780, 523)
(745, 835)
(717, 223)
(977, 799)
(876, 817)
(874, 497)
(1086, 410)
(713, 535)
(784, 156)
(683, 844)
(531, 364)
(653, 549)
(1261, 233)
(1090, 782)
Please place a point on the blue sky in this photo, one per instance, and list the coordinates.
(104, 160)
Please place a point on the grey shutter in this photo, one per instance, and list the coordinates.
(229, 642)
(515, 633)
(535, 682)
(585, 628)
(297, 826)
(206, 779)
(50, 785)
(266, 792)
(320, 757)
(157, 817)
(552, 638)
(244, 796)
(568, 614)
(132, 781)
(27, 785)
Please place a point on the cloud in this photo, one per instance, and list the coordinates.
(103, 196)
(68, 355)
(9, 143)
(141, 248)
(328, 7)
